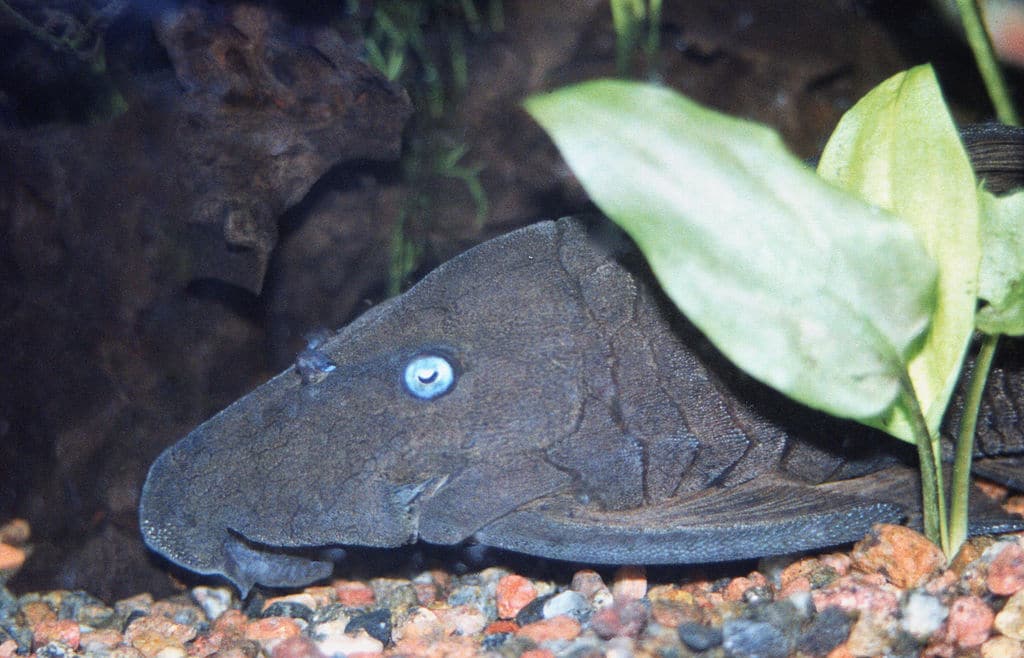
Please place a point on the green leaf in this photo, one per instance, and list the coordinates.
(899, 149)
(804, 286)
(1002, 264)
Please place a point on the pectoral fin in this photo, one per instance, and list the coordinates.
(750, 520)
(1005, 470)
(469, 499)
(900, 486)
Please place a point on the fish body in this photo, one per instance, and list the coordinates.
(537, 394)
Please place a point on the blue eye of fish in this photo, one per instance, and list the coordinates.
(429, 376)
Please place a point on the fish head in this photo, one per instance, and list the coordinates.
(426, 418)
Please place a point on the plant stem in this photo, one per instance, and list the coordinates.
(626, 16)
(981, 45)
(995, 83)
(496, 15)
(965, 442)
(653, 35)
(933, 497)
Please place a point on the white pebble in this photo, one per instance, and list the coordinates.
(170, 652)
(922, 615)
(213, 600)
(568, 603)
(343, 645)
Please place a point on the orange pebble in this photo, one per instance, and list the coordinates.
(11, 557)
(64, 631)
(556, 628)
(1006, 573)
(271, 628)
(905, 556)
(501, 626)
(354, 594)
(514, 592)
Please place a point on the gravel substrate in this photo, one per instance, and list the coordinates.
(891, 595)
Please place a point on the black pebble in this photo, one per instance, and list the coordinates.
(376, 622)
(330, 612)
(781, 614)
(495, 640)
(132, 616)
(699, 637)
(8, 603)
(252, 607)
(72, 605)
(759, 594)
(22, 635)
(744, 638)
(191, 617)
(827, 630)
(532, 611)
(904, 645)
(288, 609)
(54, 650)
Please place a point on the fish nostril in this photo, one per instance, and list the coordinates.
(312, 363)
(313, 366)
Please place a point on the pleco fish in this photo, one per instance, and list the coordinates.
(537, 394)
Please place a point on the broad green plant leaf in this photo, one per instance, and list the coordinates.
(1002, 264)
(899, 149)
(804, 286)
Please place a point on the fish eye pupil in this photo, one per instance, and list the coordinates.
(428, 376)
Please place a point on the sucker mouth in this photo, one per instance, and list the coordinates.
(248, 562)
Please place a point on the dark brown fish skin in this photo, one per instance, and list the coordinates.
(997, 155)
(1000, 429)
(589, 421)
